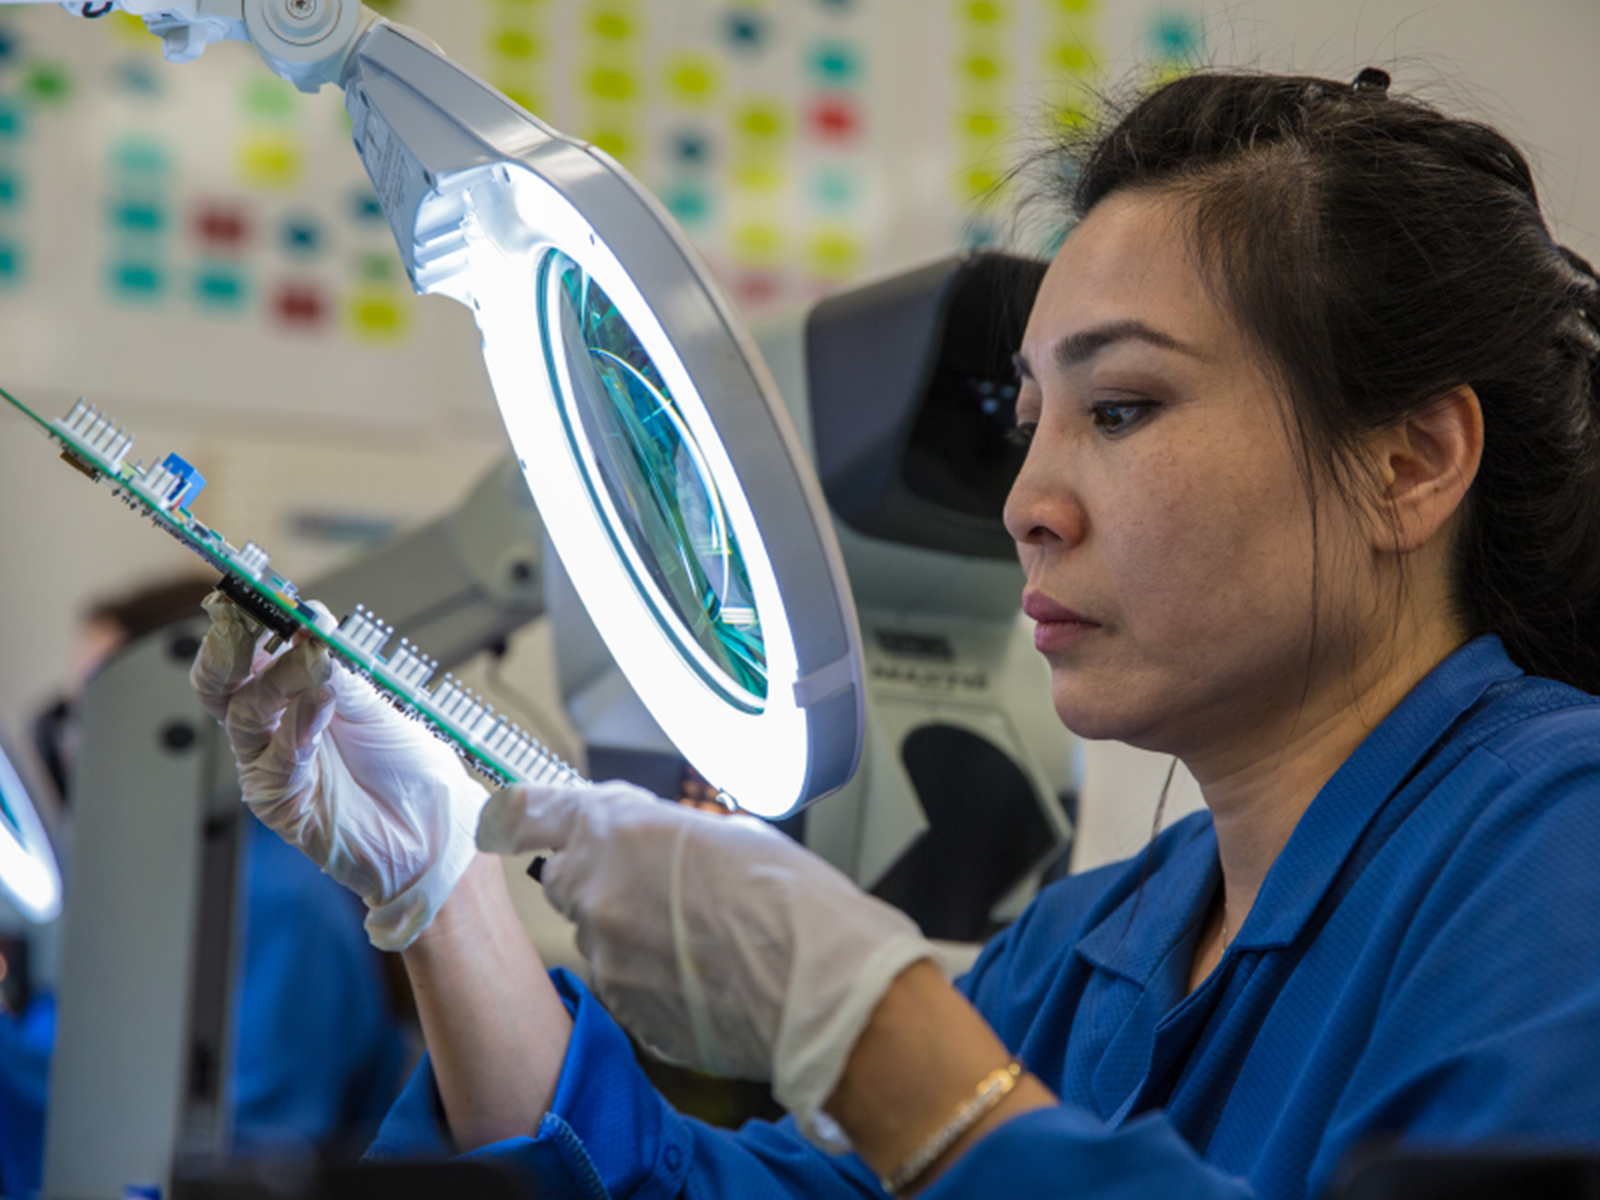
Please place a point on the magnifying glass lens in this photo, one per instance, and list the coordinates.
(655, 476)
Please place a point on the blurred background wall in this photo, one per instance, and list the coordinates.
(197, 250)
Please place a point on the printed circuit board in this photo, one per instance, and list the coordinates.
(488, 741)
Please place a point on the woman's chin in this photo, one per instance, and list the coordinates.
(1097, 716)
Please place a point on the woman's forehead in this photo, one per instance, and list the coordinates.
(1129, 261)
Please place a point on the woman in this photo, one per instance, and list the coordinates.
(1311, 504)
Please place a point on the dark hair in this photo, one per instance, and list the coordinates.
(1381, 253)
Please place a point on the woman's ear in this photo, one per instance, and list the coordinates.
(1426, 464)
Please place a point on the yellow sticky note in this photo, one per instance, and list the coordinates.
(1073, 57)
(611, 25)
(758, 244)
(755, 175)
(983, 66)
(608, 83)
(271, 161)
(693, 78)
(833, 253)
(980, 181)
(614, 142)
(377, 314)
(516, 44)
(763, 120)
(984, 12)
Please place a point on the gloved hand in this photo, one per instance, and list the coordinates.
(716, 940)
(372, 798)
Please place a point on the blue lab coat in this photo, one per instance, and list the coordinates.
(1423, 961)
(319, 1055)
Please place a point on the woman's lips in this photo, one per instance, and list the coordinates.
(1058, 627)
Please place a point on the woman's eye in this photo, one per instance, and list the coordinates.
(1118, 416)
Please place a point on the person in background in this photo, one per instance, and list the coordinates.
(320, 1050)
(1311, 502)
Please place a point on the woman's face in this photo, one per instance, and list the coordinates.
(1161, 514)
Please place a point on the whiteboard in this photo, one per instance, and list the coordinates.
(202, 235)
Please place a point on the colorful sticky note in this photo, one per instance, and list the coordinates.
(1175, 36)
(614, 142)
(518, 44)
(137, 281)
(611, 25)
(756, 287)
(608, 83)
(138, 217)
(758, 244)
(300, 305)
(756, 174)
(1073, 57)
(519, 94)
(130, 30)
(48, 83)
(140, 157)
(834, 117)
(762, 120)
(834, 188)
(836, 63)
(833, 253)
(10, 263)
(689, 203)
(221, 227)
(10, 188)
(984, 12)
(301, 236)
(983, 67)
(691, 148)
(364, 206)
(271, 161)
(267, 96)
(692, 78)
(980, 181)
(375, 267)
(9, 45)
(376, 314)
(220, 287)
(745, 30)
(13, 123)
(137, 77)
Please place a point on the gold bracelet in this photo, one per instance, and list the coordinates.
(995, 1087)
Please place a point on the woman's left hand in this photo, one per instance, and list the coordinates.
(716, 940)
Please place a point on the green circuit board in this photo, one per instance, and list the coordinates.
(489, 742)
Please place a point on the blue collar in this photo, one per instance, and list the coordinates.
(1138, 935)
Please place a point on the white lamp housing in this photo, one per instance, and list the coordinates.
(691, 525)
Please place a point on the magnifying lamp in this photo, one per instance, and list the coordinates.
(28, 874)
(662, 460)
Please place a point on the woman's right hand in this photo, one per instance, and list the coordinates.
(368, 795)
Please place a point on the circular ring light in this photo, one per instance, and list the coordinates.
(29, 877)
(664, 464)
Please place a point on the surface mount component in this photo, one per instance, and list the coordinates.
(489, 742)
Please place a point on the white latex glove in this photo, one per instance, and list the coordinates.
(372, 798)
(716, 940)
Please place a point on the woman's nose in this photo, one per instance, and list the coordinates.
(1042, 509)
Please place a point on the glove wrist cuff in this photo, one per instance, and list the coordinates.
(808, 1064)
(396, 924)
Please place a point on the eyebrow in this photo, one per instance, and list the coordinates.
(1078, 348)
